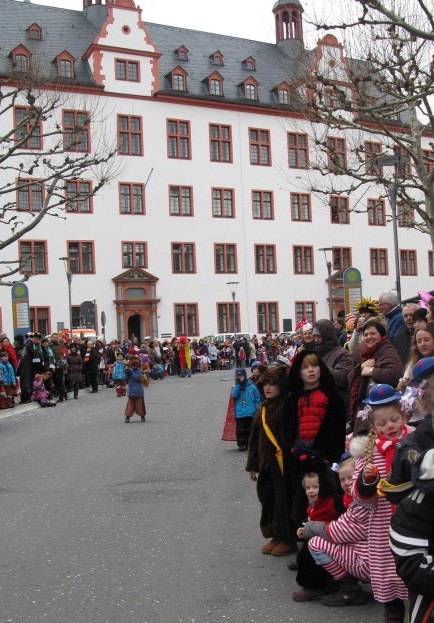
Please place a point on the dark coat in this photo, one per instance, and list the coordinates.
(272, 492)
(402, 342)
(75, 366)
(388, 369)
(91, 366)
(337, 359)
(330, 440)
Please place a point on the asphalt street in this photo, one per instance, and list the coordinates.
(155, 522)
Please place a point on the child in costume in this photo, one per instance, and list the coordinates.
(324, 504)
(246, 402)
(40, 393)
(375, 451)
(265, 464)
(315, 419)
(9, 381)
(341, 546)
(118, 375)
(135, 391)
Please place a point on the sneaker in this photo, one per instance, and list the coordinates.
(143, 419)
(346, 596)
(308, 594)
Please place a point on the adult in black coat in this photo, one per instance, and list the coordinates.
(91, 361)
(330, 436)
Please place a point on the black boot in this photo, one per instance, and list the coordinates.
(349, 593)
(394, 611)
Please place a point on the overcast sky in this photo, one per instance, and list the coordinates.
(250, 19)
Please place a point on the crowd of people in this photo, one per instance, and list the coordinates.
(340, 442)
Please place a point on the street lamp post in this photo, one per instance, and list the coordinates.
(392, 189)
(69, 279)
(329, 272)
(233, 285)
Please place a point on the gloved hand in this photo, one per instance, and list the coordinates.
(301, 445)
(314, 528)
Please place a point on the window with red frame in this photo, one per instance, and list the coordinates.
(268, 317)
(372, 151)
(65, 68)
(339, 210)
(341, 258)
(81, 257)
(379, 262)
(405, 215)
(30, 195)
(220, 137)
(127, 70)
(431, 263)
(225, 317)
(78, 196)
(131, 198)
(28, 127)
(305, 310)
(298, 151)
(21, 62)
(428, 159)
(303, 260)
(76, 131)
(260, 147)
(300, 207)
(179, 82)
(215, 86)
(33, 256)
(225, 258)
(134, 255)
(178, 139)
(376, 212)
(183, 257)
(408, 262)
(403, 164)
(250, 91)
(130, 136)
(262, 204)
(337, 154)
(40, 320)
(186, 319)
(283, 96)
(181, 200)
(265, 259)
(223, 205)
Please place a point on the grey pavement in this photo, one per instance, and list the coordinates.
(156, 522)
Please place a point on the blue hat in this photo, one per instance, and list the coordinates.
(240, 372)
(255, 364)
(382, 394)
(423, 367)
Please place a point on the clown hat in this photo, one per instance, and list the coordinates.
(422, 368)
(382, 394)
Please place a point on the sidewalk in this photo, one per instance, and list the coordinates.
(30, 406)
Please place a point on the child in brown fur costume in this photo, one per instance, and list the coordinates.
(265, 464)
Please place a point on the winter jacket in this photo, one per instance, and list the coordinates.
(74, 364)
(247, 399)
(119, 371)
(135, 382)
(7, 373)
(395, 322)
(336, 358)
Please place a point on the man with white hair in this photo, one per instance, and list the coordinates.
(404, 338)
(392, 311)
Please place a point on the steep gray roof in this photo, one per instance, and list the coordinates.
(62, 29)
(274, 63)
(285, 3)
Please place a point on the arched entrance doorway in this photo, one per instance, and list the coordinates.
(135, 329)
(136, 304)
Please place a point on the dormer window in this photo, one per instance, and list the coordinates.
(283, 93)
(182, 53)
(249, 63)
(65, 65)
(20, 59)
(250, 88)
(217, 58)
(178, 79)
(215, 84)
(34, 32)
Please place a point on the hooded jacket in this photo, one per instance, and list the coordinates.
(336, 358)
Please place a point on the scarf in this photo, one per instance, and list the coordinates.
(365, 354)
(386, 447)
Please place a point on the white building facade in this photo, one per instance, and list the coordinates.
(213, 184)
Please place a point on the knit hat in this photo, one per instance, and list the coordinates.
(382, 394)
(419, 314)
(241, 372)
(306, 327)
